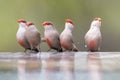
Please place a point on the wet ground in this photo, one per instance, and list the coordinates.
(60, 66)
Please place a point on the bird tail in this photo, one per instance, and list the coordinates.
(60, 50)
(36, 50)
(75, 48)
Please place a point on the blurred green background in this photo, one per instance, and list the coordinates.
(82, 12)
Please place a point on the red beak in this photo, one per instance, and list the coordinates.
(18, 21)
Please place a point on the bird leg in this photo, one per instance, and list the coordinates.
(49, 50)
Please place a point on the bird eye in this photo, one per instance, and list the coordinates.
(24, 21)
(29, 24)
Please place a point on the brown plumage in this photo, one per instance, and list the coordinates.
(33, 36)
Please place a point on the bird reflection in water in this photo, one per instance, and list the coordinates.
(67, 66)
(51, 67)
(27, 66)
(60, 66)
(94, 66)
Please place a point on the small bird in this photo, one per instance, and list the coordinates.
(93, 36)
(66, 37)
(52, 36)
(21, 39)
(33, 37)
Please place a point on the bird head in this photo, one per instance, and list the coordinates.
(96, 22)
(29, 24)
(69, 24)
(47, 25)
(44, 24)
(69, 21)
(22, 22)
(97, 19)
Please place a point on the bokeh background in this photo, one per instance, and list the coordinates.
(82, 12)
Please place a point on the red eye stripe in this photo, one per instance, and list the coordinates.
(46, 23)
(29, 24)
(21, 20)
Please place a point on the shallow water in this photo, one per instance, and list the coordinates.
(60, 66)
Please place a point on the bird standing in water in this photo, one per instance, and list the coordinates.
(51, 36)
(66, 37)
(33, 36)
(21, 39)
(93, 36)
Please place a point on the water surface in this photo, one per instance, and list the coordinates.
(60, 66)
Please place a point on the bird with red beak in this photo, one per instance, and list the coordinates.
(66, 37)
(51, 36)
(21, 39)
(93, 36)
(33, 37)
